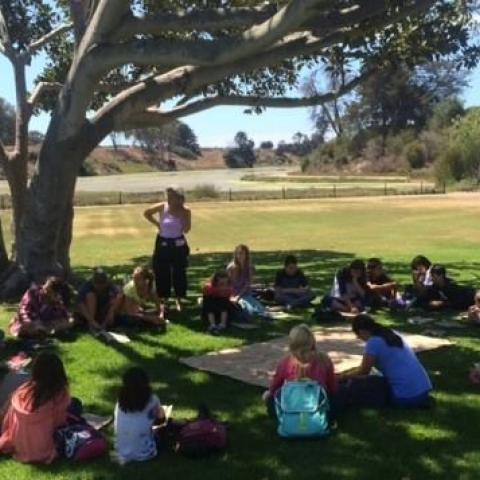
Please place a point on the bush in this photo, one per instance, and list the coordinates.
(450, 166)
(268, 145)
(204, 191)
(183, 152)
(461, 160)
(239, 158)
(416, 155)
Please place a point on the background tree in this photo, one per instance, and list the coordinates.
(7, 122)
(243, 154)
(112, 63)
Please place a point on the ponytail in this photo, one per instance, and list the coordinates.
(365, 322)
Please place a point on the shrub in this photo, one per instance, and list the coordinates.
(183, 152)
(205, 191)
(450, 166)
(416, 155)
(268, 145)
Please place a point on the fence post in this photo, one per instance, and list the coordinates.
(284, 193)
(385, 189)
(444, 187)
(120, 199)
(334, 190)
(421, 187)
(229, 194)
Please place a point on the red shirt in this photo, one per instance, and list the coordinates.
(289, 370)
(211, 291)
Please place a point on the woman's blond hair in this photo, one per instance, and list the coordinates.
(302, 343)
(303, 348)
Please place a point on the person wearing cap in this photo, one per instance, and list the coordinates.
(170, 259)
(99, 300)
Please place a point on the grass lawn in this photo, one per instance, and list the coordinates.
(437, 444)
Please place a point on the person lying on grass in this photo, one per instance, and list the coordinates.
(240, 273)
(99, 301)
(446, 294)
(42, 312)
(406, 382)
(36, 409)
(137, 293)
(381, 288)
(136, 411)
(217, 309)
(303, 361)
(291, 286)
(349, 290)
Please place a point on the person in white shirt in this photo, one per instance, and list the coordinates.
(136, 411)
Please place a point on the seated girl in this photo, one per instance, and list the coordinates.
(216, 306)
(474, 310)
(382, 290)
(406, 381)
(291, 286)
(349, 290)
(36, 410)
(240, 272)
(446, 294)
(303, 361)
(42, 311)
(136, 411)
(139, 291)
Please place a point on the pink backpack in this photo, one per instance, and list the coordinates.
(202, 437)
(80, 442)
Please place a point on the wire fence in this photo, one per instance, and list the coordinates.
(204, 193)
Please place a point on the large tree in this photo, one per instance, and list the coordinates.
(114, 64)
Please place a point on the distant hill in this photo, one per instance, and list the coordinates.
(128, 159)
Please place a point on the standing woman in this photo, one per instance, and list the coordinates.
(170, 258)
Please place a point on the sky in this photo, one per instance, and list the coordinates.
(217, 127)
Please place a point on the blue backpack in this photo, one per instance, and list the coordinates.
(302, 410)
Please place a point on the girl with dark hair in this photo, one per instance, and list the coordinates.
(136, 412)
(36, 410)
(216, 306)
(348, 293)
(407, 381)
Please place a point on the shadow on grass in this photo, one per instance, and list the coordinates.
(427, 444)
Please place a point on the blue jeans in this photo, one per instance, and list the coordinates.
(252, 306)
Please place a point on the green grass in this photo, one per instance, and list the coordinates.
(440, 444)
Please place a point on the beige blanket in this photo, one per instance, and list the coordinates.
(255, 364)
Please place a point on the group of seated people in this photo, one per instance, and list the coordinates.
(230, 295)
(52, 308)
(43, 403)
(359, 287)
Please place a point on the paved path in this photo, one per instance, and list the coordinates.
(224, 180)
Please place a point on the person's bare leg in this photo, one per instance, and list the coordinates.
(178, 304)
(223, 320)
(114, 308)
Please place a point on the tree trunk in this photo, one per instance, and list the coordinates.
(45, 234)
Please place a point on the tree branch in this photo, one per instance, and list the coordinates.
(153, 117)
(40, 89)
(205, 20)
(190, 80)
(3, 156)
(41, 42)
(209, 52)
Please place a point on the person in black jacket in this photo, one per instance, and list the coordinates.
(446, 294)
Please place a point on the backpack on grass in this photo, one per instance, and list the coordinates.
(80, 442)
(202, 437)
(302, 410)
